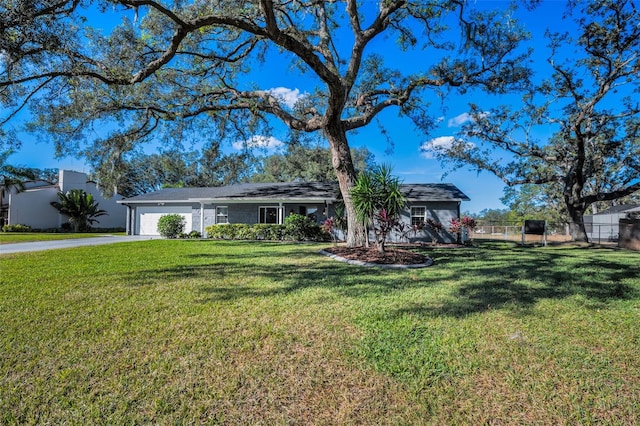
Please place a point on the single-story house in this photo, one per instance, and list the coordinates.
(254, 203)
(32, 206)
(604, 226)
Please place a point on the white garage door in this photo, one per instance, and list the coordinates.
(147, 218)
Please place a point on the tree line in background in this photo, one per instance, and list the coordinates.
(143, 173)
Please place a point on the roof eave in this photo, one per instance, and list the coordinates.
(129, 201)
(436, 200)
(209, 200)
(246, 200)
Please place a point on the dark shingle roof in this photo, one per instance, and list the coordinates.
(619, 209)
(433, 192)
(291, 191)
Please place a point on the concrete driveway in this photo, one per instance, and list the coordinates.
(75, 242)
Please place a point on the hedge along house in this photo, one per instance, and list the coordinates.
(270, 203)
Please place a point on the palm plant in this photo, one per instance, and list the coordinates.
(378, 201)
(364, 201)
(80, 207)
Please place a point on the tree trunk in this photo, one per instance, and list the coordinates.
(578, 230)
(346, 173)
(573, 186)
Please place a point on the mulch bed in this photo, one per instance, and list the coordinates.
(392, 255)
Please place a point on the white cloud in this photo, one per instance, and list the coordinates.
(463, 118)
(258, 141)
(429, 148)
(285, 95)
(459, 120)
(442, 143)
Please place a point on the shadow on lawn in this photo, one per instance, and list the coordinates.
(497, 275)
(490, 277)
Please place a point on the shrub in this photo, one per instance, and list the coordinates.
(16, 228)
(230, 231)
(171, 225)
(262, 231)
(276, 232)
(215, 231)
(242, 231)
(299, 227)
(457, 227)
(194, 234)
(436, 229)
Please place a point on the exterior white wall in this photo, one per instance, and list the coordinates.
(117, 213)
(72, 180)
(32, 207)
(606, 226)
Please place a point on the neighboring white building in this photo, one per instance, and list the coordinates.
(32, 206)
(604, 226)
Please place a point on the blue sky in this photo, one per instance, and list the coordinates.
(409, 162)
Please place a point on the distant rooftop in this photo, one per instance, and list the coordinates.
(623, 208)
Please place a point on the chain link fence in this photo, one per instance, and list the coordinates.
(606, 234)
(603, 233)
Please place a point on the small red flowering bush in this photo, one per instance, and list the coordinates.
(436, 227)
(384, 222)
(459, 225)
(328, 226)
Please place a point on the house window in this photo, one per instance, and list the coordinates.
(310, 212)
(418, 215)
(222, 214)
(269, 215)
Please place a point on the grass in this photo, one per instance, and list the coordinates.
(258, 333)
(27, 237)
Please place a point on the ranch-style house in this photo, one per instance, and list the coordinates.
(254, 203)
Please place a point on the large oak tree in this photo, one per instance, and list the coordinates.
(182, 69)
(590, 103)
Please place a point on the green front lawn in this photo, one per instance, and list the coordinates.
(175, 332)
(27, 237)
